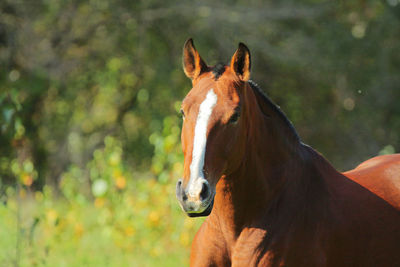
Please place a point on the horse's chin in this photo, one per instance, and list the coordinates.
(204, 213)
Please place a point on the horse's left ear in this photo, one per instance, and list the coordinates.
(240, 62)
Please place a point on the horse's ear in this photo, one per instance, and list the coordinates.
(193, 65)
(240, 62)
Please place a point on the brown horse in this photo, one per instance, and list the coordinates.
(272, 200)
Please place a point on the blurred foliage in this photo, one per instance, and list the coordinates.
(120, 221)
(89, 94)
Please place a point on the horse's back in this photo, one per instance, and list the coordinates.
(380, 175)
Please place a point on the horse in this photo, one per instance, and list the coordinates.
(270, 199)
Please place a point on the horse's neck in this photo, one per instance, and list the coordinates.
(272, 173)
(256, 196)
(246, 194)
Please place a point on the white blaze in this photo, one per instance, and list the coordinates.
(199, 144)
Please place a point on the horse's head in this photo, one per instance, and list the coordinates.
(211, 126)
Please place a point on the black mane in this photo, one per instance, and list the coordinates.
(274, 107)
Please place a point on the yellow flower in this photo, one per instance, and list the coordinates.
(116, 173)
(99, 202)
(78, 230)
(154, 218)
(120, 182)
(27, 179)
(129, 231)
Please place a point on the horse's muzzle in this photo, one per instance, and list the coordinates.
(195, 203)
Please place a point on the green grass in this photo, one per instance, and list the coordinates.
(104, 214)
(140, 225)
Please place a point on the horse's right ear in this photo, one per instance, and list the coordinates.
(193, 65)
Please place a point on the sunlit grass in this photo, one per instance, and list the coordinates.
(139, 226)
(103, 214)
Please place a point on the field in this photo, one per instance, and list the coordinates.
(121, 222)
(141, 226)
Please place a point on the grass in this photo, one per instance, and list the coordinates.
(139, 225)
(104, 214)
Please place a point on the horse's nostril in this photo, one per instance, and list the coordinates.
(180, 194)
(204, 191)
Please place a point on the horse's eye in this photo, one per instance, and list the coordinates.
(234, 118)
(182, 113)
